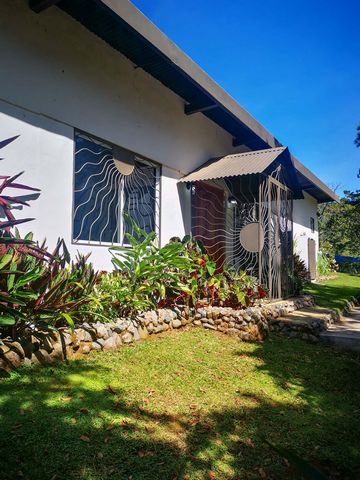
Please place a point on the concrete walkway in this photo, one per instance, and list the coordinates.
(346, 333)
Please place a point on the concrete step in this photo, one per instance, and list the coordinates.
(341, 340)
(346, 333)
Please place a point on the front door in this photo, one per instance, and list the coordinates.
(208, 220)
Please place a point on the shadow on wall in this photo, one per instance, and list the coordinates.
(37, 120)
(63, 423)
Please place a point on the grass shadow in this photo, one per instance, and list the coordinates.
(322, 425)
(67, 422)
(335, 293)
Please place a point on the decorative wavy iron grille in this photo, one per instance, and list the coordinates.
(246, 223)
(107, 182)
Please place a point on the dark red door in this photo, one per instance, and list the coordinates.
(208, 220)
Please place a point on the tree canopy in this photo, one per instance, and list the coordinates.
(339, 226)
(339, 223)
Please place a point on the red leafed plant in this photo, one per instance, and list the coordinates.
(38, 289)
(8, 202)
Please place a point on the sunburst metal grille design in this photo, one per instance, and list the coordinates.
(102, 193)
(246, 223)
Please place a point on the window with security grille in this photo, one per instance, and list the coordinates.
(109, 181)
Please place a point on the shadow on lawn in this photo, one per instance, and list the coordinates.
(332, 295)
(41, 437)
(324, 428)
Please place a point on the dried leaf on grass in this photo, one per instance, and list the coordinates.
(111, 390)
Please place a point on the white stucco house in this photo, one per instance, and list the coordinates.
(112, 117)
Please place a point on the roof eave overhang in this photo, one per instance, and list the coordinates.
(312, 185)
(126, 29)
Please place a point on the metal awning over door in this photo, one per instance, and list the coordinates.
(248, 163)
(242, 213)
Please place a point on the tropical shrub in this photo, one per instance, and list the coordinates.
(301, 274)
(325, 264)
(226, 288)
(181, 273)
(146, 274)
(9, 202)
(38, 289)
(350, 267)
(42, 291)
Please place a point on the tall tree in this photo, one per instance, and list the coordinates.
(339, 226)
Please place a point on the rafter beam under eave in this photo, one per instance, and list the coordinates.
(237, 142)
(195, 108)
(252, 143)
(39, 6)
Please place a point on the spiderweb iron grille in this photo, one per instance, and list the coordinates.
(103, 193)
(246, 222)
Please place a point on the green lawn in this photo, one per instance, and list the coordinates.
(186, 405)
(336, 292)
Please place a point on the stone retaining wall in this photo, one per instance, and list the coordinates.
(308, 329)
(250, 324)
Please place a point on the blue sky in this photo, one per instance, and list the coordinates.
(295, 66)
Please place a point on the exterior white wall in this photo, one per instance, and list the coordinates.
(304, 209)
(57, 76)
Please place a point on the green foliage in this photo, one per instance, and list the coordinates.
(350, 267)
(42, 291)
(325, 265)
(180, 273)
(339, 226)
(209, 286)
(38, 289)
(301, 274)
(145, 273)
